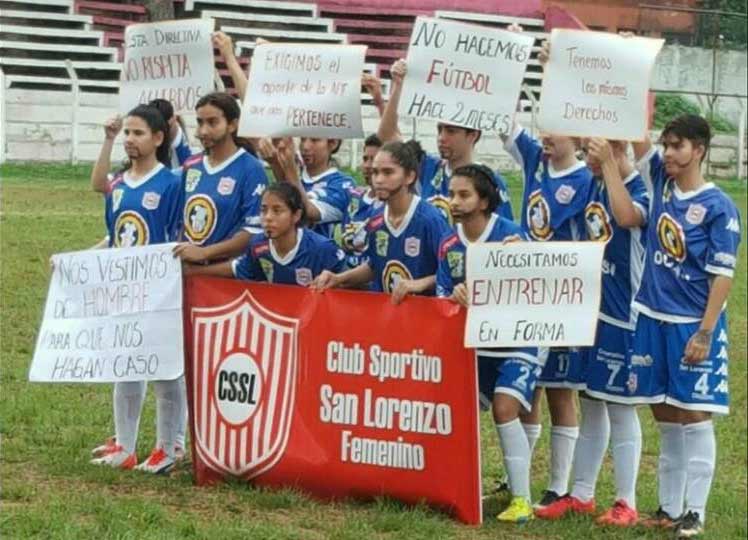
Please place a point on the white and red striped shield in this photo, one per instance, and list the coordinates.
(244, 373)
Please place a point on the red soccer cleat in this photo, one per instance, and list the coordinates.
(563, 506)
(619, 515)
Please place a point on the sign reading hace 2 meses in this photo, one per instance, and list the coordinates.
(289, 387)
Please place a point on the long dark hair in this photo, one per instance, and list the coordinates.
(404, 154)
(291, 197)
(155, 122)
(231, 111)
(167, 109)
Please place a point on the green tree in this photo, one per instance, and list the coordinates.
(731, 27)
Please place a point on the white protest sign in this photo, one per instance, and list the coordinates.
(112, 315)
(463, 74)
(172, 60)
(533, 293)
(596, 85)
(304, 90)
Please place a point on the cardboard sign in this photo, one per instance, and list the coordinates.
(463, 74)
(289, 387)
(304, 90)
(112, 315)
(596, 85)
(172, 60)
(533, 293)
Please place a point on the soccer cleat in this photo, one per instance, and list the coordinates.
(109, 446)
(563, 505)
(519, 511)
(661, 520)
(619, 515)
(157, 463)
(548, 497)
(117, 459)
(689, 526)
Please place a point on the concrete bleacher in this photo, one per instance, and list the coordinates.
(37, 37)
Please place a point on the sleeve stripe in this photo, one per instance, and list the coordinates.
(719, 270)
(328, 213)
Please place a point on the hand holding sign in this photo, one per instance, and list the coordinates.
(596, 84)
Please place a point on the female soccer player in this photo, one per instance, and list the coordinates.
(143, 204)
(615, 214)
(557, 187)
(506, 376)
(324, 188)
(401, 258)
(680, 350)
(222, 187)
(285, 252)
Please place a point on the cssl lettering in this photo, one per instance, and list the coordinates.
(237, 387)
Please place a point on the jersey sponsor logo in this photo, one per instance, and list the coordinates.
(150, 200)
(261, 248)
(200, 217)
(381, 243)
(598, 222)
(375, 222)
(355, 203)
(695, 214)
(639, 360)
(672, 238)
(267, 269)
(439, 177)
(245, 383)
(412, 246)
(733, 225)
(226, 185)
(441, 203)
(565, 193)
(304, 276)
(191, 180)
(539, 216)
(394, 271)
(117, 195)
(130, 230)
(456, 262)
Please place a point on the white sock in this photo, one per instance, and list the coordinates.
(626, 445)
(128, 402)
(532, 432)
(182, 430)
(594, 433)
(701, 456)
(563, 440)
(671, 470)
(516, 451)
(169, 413)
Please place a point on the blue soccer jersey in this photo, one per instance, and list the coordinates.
(408, 252)
(354, 238)
(433, 185)
(329, 193)
(312, 254)
(623, 261)
(144, 211)
(691, 237)
(453, 247)
(553, 202)
(180, 150)
(223, 200)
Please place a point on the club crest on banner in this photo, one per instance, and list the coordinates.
(245, 363)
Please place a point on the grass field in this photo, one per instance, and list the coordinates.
(50, 491)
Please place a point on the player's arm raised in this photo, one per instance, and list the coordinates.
(103, 165)
(283, 163)
(388, 125)
(225, 45)
(624, 210)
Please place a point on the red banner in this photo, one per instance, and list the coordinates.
(339, 393)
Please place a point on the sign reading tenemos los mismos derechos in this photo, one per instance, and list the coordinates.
(339, 393)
